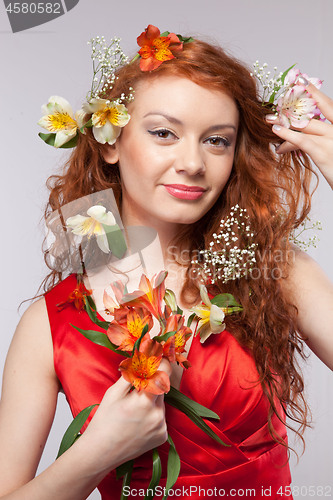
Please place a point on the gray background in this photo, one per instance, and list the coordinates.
(53, 59)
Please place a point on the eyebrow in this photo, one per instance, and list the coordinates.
(172, 119)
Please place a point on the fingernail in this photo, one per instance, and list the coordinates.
(271, 118)
(277, 127)
(303, 81)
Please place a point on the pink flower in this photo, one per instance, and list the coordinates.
(296, 106)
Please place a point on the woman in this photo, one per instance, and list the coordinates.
(196, 145)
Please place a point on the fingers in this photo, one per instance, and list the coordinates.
(295, 140)
(285, 147)
(120, 388)
(324, 103)
(165, 366)
(314, 127)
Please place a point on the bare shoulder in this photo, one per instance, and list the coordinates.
(305, 276)
(29, 396)
(32, 340)
(311, 291)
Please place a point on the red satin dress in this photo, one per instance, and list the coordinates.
(222, 377)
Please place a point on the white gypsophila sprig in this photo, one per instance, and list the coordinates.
(107, 58)
(271, 82)
(225, 260)
(306, 225)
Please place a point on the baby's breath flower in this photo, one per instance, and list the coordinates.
(223, 261)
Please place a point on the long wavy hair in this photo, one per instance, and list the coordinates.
(276, 194)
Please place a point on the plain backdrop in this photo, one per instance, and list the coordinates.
(54, 59)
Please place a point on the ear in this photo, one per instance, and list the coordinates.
(110, 153)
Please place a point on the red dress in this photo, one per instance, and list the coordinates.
(222, 377)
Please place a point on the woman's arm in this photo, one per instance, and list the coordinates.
(30, 386)
(311, 291)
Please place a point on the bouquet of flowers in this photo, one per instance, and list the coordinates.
(130, 335)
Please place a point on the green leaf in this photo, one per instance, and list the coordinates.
(100, 338)
(138, 342)
(163, 338)
(190, 319)
(179, 311)
(116, 240)
(173, 467)
(156, 475)
(174, 397)
(126, 472)
(185, 39)
(72, 433)
(165, 33)
(283, 76)
(91, 310)
(194, 411)
(124, 469)
(50, 139)
(226, 300)
(198, 421)
(88, 124)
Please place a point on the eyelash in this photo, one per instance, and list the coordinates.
(225, 142)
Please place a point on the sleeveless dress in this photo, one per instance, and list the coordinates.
(222, 377)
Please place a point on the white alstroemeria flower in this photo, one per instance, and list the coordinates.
(58, 118)
(211, 316)
(107, 119)
(93, 225)
(296, 107)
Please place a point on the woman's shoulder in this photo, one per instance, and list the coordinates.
(304, 271)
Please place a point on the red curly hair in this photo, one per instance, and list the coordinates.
(274, 191)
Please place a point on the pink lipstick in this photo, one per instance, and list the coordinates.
(185, 192)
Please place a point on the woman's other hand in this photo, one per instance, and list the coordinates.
(316, 139)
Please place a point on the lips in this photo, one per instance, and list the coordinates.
(185, 192)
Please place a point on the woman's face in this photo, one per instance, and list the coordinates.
(176, 153)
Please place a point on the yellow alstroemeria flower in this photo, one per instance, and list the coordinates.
(93, 225)
(107, 119)
(211, 316)
(58, 118)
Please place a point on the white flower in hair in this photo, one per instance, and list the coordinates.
(211, 316)
(108, 117)
(58, 118)
(94, 224)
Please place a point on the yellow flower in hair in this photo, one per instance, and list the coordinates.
(108, 117)
(58, 118)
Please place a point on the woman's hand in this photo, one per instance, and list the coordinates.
(316, 139)
(126, 424)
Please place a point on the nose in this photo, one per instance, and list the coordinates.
(190, 159)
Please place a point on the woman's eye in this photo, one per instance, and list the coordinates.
(218, 141)
(162, 133)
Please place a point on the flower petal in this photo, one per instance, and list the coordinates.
(103, 243)
(216, 319)
(95, 104)
(63, 136)
(58, 104)
(106, 134)
(204, 295)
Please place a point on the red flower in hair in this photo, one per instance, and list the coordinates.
(155, 48)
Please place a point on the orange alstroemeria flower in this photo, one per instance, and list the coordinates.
(148, 296)
(142, 369)
(127, 327)
(156, 49)
(175, 345)
(77, 297)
